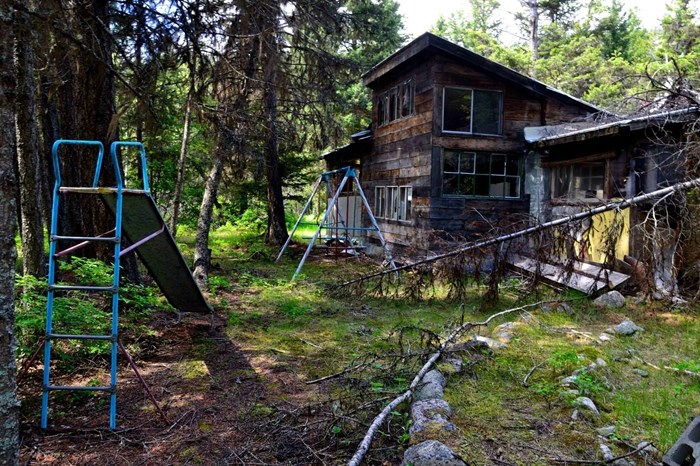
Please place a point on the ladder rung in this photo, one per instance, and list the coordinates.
(79, 388)
(64, 336)
(98, 190)
(86, 190)
(82, 288)
(107, 239)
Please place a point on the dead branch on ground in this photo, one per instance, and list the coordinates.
(381, 417)
(617, 205)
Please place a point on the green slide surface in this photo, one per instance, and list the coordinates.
(160, 255)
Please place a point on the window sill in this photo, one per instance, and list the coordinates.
(477, 135)
(485, 198)
(562, 201)
(393, 220)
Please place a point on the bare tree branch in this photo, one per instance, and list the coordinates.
(381, 417)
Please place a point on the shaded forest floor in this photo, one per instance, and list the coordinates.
(237, 393)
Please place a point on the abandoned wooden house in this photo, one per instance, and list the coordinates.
(576, 166)
(446, 149)
(459, 144)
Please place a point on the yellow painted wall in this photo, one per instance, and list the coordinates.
(600, 229)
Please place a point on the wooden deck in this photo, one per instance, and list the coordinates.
(591, 279)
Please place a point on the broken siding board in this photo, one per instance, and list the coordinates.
(614, 279)
(557, 276)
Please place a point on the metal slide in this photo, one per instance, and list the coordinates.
(137, 218)
(160, 254)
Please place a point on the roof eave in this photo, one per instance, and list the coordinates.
(427, 40)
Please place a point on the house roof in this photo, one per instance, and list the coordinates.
(361, 143)
(428, 43)
(547, 136)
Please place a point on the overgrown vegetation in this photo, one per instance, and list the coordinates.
(78, 313)
(506, 401)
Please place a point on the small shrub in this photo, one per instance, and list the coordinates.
(218, 283)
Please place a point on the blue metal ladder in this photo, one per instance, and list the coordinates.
(113, 236)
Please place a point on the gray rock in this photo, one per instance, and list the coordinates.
(627, 327)
(431, 386)
(641, 372)
(504, 332)
(600, 362)
(469, 346)
(623, 462)
(567, 381)
(430, 413)
(610, 299)
(568, 394)
(431, 453)
(549, 307)
(490, 342)
(649, 450)
(455, 362)
(583, 402)
(557, 307)
(606, 431)
(603, 337)
(565, 308)
(606, 451)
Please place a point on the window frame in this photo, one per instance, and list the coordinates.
(390, 103)
(393, 202)
(471, 114)
(569, 171)
(379, 201)
(474, 174)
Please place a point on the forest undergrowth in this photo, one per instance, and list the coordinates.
(247, 391)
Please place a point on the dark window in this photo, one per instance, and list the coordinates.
(471, 111)
(379, 201)
(395, 103)
(580, 181)
(480, 174)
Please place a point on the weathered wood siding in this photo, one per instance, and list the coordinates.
(408, 151)
(401, 156)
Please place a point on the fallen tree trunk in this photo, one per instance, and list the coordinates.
(618, 205)
(381, 417)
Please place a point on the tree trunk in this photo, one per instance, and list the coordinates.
(533, 24)
(276, 225)
(202, 254)
(88, 111)
(49, 131)
(9, 405)
(32, 231)
(180, 182)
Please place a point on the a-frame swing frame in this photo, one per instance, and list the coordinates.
(349, 175)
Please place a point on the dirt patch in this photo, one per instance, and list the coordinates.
(223, 404)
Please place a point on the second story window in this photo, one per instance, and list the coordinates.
(395, 103)
(471, 111)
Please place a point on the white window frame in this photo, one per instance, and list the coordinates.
(573, 192)
(379, 201)
(393, 202)
(390, 103)
(405, 203)
(473, 173)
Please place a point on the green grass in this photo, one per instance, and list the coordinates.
(311, 329)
